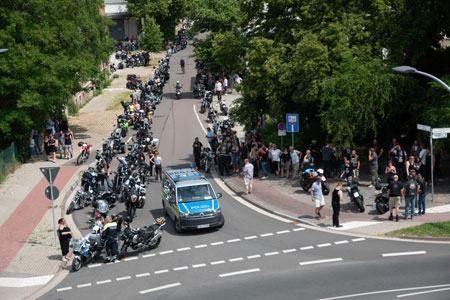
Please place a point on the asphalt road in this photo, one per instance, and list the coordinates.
(254, 256)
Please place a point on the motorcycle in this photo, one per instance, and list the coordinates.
(206, 158)
(382, 201)
(307, 179)
(80, 200)
(101, 207)
(84, 153)
(90, 180)
(223, 108)
(86, 248)
(178, 93)
(198, 91)
(355, 196)
(137, 238)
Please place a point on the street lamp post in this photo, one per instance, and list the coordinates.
(411, 70)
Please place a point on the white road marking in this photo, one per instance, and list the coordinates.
(403, 253)
(353, 225)
(201, 246)
(385, 292)
(131, 258)
(358, 239)
(438, 209)
(149, 255)
(24, 282)
(298, 229)
(199, 266)
(199, 121)
(254, 256)
(123, 278)
(184, 249)
(289, 250)
(424, 292)
(322, 261)
(166, 252)
(217, 262)
(341, 242)
(168, 286)
(283, 231)
(217, 243)
(64, 289)
(307, 248)
(161, 271)
(323, 245)
(84, 285)
(104, 281)
(239, 272)
(236, 259)
(265, 234)
(250, 237)
(181, 268)
(142, 275)
(94, 265)
(271, 253)
(233, 241)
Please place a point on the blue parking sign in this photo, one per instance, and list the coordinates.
(292, 122)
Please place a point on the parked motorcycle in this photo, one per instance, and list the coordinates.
(86, 248)
(90, 180)
(223, 108)
(84, 153)
(206, 159)
(382, 201)
(79, 201)
(307, 179)
(355, 196)
(137, 238)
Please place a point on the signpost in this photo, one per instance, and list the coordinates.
(281, 132)
(435, 133)
(292, 121)
(51, 192)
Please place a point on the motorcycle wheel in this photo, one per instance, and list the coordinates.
(305, 187)
(156, 244)
(70, 208)
(76, 263)
(141, 204)
(122, 252)
(122, 149)
(359, 202)
(382, 209)
(325, 188)
(80, 159)
(202, 110)
(124, 133)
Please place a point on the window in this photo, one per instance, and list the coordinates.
(195, 193)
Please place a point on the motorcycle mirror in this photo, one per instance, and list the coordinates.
(219, 195)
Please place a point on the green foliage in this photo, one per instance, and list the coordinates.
(214, 15)
(437, 229)
(53, 47)
(152, 38)
(73, 108)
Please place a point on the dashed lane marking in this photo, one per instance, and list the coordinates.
(184, 249)
(201, 246)
(84, 285)
(322, 261)
(236, 259)
(168, 286)
(283, 231)
(219, 262)
(64, 289)
(234, 241)
(181, 268)
(323, 245)
(142, 275)
(94, 265)
(161, 271)
(298, 229)
(217, 243)
(358, 239)
(341, 242)
(266, 234)
(123, 278)
(239, 272)
(166, 252)
(103, 281)
(131, 258)
(149, 255)
(404, 253)
(289, 250)
(253, 256)
(199, 266)
(250, 237)
(271, 253)
(307, 248)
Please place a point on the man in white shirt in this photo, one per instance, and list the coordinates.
(248, 176)
(275, 158)
(295, 158)
(225, 85)
(423, 155)
(219, 90)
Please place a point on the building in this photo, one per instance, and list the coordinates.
(125, 25)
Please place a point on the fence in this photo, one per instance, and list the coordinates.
(8, 160)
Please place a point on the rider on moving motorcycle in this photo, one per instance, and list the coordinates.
(182, 65)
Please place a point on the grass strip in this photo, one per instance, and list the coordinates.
(437, 229)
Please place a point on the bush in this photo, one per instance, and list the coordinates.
(115, 76)
(73, 108)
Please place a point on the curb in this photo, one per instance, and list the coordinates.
(422, 238)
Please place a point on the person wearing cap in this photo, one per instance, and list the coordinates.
(394, 194)
(317, 196)
(410, 191)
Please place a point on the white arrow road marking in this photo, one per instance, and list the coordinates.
(168, 286)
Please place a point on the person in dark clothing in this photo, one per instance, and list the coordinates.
(119, 221)
(64, 235)
(336, 200)
(224, 157)
(395, 196)
(109, 234)
(197, 149)
(422, 194)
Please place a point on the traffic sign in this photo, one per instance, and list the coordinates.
(281, 132)
(439, 135)
(441, 130)
(292, 121)
(50, 173)
(281, 126)
(424, 127)
(52, 192)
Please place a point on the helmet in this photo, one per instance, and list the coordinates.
(320, 171)
(178, 81)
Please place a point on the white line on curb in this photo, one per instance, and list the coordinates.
(149, 255)
(239, 272)
(424, 292)
(322, 261)
(160, 288)
(94, 265)
(104, 281)
(166, 252)
(131, 258)
(358, 239)
(404, 253)
(298, 229)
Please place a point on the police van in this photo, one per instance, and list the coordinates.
(190, 201)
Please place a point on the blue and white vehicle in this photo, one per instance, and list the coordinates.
(190, 200)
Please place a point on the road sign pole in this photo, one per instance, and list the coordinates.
(53, 206)
(431, 161)
(292, 129)
(281, 143)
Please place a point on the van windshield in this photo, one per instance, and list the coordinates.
(195, 193)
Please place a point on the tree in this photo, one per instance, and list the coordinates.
(152, 38)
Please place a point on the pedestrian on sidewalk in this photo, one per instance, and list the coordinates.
(68, 143)
(157, 160)
(37, 141)
(327, 153)
(248, 176)
(394, 194)
(254, 159)
(235, 151)
(197, 150)
(336, 200)
(32, 147)
(275, 153)
(422, 194)
(308, 160)
(285, 158)
(224, 157)
(61, 144)
(64, 235)
(263, 160)
(373, 159)
(52, 147)
(355, 163)
(410, 192)
(317, 196)
(218, 89)
(151, 154)
(295, 160)
(348, 174)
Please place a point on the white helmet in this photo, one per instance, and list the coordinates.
(320, 171)
(178, 82)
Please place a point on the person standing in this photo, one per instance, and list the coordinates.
(52, 147)
(410, 192)
(223, 153)
(248, 176)
(285, 158)
(64, 235)
(355, 163)
(373, 159)
(422, 194)
(218, 88)
(109, 234)
(264, 159)
(32, 147)
(327, 152)
(395, 197)
(212, 138)
(348, 172)
(235, 151)
(197, 150)
(295, 160)
(157, 160)
(68, 143)
(275, 153)
(104, 170)
(254, 159)
(317, 196)
(37, 141)
(336, 200)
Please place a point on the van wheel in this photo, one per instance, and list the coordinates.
(177, 226)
